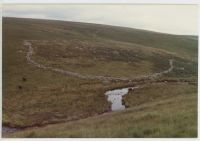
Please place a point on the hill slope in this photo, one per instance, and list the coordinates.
(34, 95)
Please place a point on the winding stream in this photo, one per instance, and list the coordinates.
(114, 96)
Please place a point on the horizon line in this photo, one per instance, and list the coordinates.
(102, 24)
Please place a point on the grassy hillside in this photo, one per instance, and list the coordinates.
(37, 97)
(172, 117)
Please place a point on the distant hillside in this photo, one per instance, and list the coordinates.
(54, 29)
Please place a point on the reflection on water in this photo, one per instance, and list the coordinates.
(115, 97)
(8, 129)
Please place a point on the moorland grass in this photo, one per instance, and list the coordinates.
(171, 117)
(33, 96)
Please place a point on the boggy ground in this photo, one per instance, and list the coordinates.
(36, 97)
(153, 116)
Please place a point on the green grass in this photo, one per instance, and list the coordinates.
(157, 91)
(47, 97)
(171, 117)
(93, 59)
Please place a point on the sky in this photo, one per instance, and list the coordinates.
(172, 19)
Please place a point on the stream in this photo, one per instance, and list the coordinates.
(115, 97)
(6, 129)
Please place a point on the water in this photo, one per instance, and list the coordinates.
(8, 129)
(115, 97)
